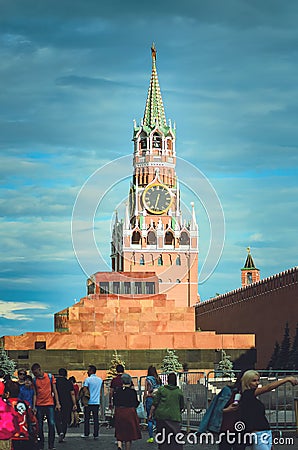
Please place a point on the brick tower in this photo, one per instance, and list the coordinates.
(249, 273)
(153, 236)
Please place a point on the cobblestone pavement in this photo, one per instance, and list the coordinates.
(106, 441)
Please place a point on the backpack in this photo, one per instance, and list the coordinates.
(84, 395)
(9, 423)
(153, 383)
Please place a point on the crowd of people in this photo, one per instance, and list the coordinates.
(30, 399)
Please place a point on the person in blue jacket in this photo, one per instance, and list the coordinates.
(222, 415)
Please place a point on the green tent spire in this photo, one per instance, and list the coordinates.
(249, 263)
(154, 110)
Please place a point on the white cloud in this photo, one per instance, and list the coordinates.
(20, 310)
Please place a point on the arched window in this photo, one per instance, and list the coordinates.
(184, 238)
(160, 261)
(157, 140)
(151, 238)
(178, 281)
(142, 260)
(136, 237)
(170, 260)
(178, 260)
(169, 238)
(249, 277)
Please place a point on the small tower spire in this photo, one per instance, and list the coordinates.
(249, 273)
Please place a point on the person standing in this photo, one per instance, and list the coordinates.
(67, 401)
(46, 393)
(116, 383)
(168, 403)
(75, 419)
(94, 384)
(253, 410)
(152, 383)
(127, 428)
(21, 376)
(27, 391)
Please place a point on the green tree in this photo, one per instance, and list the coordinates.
(171, 362)
(7, 364)
(293, 359)
(116, 359)
(284, 354)
(274, 357)
(225, 365)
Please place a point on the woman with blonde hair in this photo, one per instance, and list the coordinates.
(253, 410)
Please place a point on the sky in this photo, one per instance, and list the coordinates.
(75, 74)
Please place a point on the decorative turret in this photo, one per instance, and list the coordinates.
(249, 273)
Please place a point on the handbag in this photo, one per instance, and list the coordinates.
(141, 411)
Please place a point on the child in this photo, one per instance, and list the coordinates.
(27, 391)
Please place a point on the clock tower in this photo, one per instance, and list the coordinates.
(153, 236)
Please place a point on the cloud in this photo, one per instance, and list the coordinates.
(20, 310)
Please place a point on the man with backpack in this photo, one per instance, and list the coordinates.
(45, 403)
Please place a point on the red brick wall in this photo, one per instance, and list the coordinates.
(262, 308)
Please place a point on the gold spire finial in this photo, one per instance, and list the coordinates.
(248, 250)
(153, 51)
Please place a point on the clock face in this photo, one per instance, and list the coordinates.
(157, 198)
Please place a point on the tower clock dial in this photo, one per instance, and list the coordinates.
(157, 198)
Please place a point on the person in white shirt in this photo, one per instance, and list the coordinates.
(94, 384)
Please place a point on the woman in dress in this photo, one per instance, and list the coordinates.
(253, 410)
(152, 383)
(127, 428)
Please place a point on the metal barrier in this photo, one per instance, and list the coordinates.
(279, 403)
(199, 388)
(194, 391)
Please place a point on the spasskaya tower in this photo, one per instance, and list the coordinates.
(153, 237)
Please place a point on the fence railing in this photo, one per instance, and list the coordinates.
(199, 388)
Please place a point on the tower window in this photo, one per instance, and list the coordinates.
(249, 277)
(151, 238)
(90, 288)
(169, 238)
(178, 261)
(104, 287)
(160, 261)
(142, 260)
(143, 143)
(127, 287)
(138, 287)
(184, 238)
(157, 141)
(178, 281)
(116, 287)
(150, 287)
(136, 237)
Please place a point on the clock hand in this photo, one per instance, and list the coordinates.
(157, 198)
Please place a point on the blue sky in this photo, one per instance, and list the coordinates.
(74, 75)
